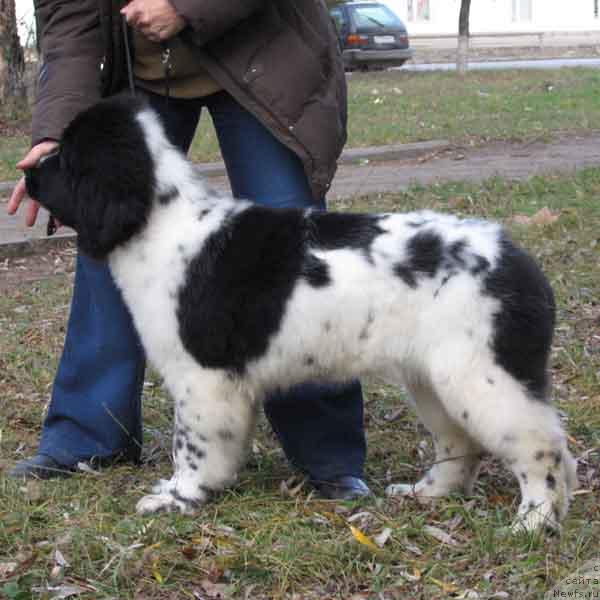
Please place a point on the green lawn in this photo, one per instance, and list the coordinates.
(261, 540)
(400, 106)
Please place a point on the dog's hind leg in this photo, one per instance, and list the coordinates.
(214, 420)
(522, 430)
(457, 455)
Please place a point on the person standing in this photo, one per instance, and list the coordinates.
(270, 75)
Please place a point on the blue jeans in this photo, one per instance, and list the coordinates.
(95, 409)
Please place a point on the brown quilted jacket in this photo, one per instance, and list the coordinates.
(278, 58)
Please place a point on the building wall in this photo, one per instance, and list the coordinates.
(499, 15)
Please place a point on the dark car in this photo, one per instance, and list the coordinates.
(371, 35)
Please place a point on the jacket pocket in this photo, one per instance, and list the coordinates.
(285, 74)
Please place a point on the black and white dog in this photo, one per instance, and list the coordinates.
(232, 300)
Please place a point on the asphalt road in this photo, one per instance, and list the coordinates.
(554, 63)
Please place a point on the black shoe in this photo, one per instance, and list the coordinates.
(342, 488)
(39, 466)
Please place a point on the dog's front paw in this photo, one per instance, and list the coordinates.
(400, 489)
(154, 503)
(168, 501)
(534, 519)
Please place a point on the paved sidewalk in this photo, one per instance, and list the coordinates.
(387, 169)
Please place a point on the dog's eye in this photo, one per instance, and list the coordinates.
(44, 158)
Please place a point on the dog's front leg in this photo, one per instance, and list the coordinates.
(214, 419)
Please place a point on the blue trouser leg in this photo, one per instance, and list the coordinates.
(320, 426)
(95, 407)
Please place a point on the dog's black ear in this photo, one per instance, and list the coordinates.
(111, 171)
(107, 215)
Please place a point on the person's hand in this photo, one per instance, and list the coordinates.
(156, 19)
(20, 193)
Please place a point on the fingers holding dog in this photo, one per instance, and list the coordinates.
(19, 193)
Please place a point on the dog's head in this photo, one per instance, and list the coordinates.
(100, 180)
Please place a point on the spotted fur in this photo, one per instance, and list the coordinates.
(233, 300)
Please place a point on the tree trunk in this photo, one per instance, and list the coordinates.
(462, 55)
(12, 58)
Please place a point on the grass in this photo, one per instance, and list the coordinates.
(258, 540)
(509, 105)
(399, 107)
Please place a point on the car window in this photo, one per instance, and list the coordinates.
(374, 16)
(337, 14)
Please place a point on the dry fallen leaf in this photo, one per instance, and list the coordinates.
(7, 568)
(155, 572)
(32, 490)
(364, 519)
(415, 576)
(189, 552)
(449, 588)
(521, 220)
(414, 549)
(440, 535)
(291, 488)
(363, 539)
(216, 590)
(381, 538)
(59, 559)
(61, 591)
(545, 216)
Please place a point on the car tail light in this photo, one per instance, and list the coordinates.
(403, 39)
(355, 39)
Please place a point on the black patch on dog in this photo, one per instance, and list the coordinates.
(406, 274)
(425, 252)
(550, 481)
(428, 256)
(332, 231)
(315, 271)
(557, 457)
(481, 264)
(193, 449)
(105, 196)
(166, 197)
(226, 435)
(524, 324)
(457, 250)
(236, 289)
